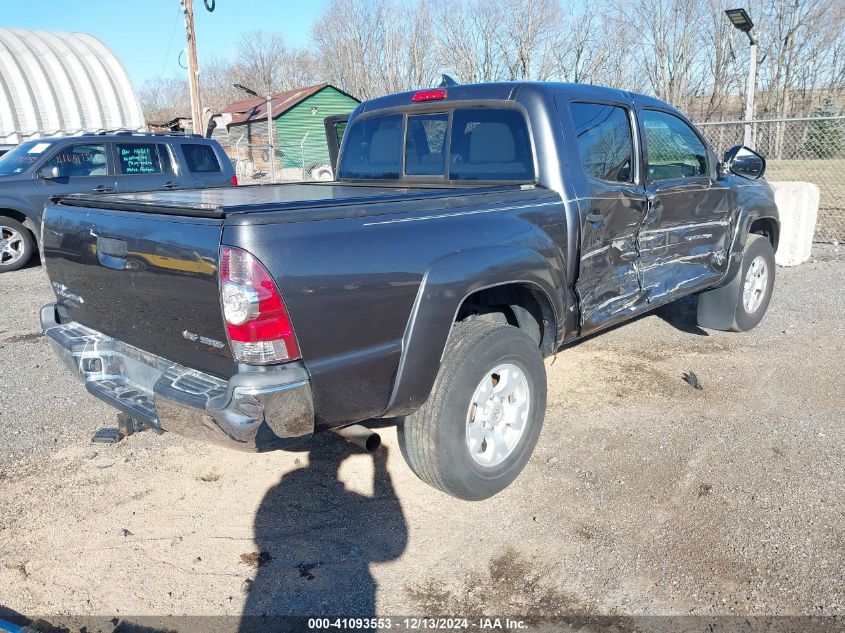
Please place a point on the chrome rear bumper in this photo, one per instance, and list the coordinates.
(252, 411)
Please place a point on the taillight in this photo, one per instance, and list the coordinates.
(259, 329)
(234, 181)
(435, 94)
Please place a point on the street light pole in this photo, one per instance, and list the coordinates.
(742, 21)
(748, 137)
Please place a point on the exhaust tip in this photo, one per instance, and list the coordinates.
(360, 436)
(373, 442)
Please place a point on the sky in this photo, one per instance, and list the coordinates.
(148, 35)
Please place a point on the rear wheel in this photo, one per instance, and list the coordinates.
(16, 245)
(479, 426)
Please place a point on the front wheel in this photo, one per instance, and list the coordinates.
(479, 426)
(742, 304)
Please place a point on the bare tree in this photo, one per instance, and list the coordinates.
(266, 64)
(164, 98)
(526, 37)
(683, 51)
(466, 39)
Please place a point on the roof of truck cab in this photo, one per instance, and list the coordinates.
(509, 90)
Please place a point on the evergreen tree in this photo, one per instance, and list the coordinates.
(825, 138)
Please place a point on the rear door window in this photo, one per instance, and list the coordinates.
(80, 160)
(373, 149)
(141, 158)
(490, 144)
(200, 158)
(605, 142)
(425, 144)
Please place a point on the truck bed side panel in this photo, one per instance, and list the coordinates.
(350, 284)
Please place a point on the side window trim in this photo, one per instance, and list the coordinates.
(173, 165)
(645, 153)
(637, 152)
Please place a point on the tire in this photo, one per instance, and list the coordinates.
(435, 439)
(741, 305)
(16, 245)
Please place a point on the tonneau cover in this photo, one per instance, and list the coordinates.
(225, 201)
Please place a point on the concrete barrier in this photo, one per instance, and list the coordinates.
(798, 204)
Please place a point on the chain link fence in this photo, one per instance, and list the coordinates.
(806, 149)
(307, 160)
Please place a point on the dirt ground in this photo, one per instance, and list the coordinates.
(644, 496)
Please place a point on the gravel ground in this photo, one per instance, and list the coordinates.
(644, 496)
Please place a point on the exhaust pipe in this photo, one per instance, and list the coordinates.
(360, 436)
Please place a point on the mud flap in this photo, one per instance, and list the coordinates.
(717, 308)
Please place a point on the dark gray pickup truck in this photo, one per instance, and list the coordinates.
(473, 230)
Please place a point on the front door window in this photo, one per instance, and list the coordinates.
(75, 161)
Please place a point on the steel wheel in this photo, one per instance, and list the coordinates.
(12, 245)
(756, 283)
(497, 415)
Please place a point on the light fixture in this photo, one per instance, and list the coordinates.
(740, 19)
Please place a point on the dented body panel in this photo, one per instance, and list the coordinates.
(374, 275)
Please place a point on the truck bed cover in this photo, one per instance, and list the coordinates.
(224, 202)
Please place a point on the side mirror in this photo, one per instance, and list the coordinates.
(745, 162)
(50, 173)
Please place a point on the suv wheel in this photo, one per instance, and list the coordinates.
(16, 245)
(479, 426)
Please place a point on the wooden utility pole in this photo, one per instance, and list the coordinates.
(193, 67)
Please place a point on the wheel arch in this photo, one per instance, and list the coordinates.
(447, 286)
(768, 227)
(21, 217)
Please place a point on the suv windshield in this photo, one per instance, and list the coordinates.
(19, 159)
(484, 144)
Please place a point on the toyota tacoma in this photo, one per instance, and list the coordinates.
(471, 232)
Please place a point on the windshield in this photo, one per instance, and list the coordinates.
(19, 159)
(484, 144)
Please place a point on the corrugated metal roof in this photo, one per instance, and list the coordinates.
(62, 83)
(255, 108)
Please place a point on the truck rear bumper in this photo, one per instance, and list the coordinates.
(252, 411)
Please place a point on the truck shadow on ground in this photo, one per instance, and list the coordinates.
(317, 540)
(682, 315)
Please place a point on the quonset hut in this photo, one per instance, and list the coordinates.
(57, 84)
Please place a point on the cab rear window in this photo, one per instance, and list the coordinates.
(466, 144)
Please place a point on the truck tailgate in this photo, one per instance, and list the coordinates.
(146, 279)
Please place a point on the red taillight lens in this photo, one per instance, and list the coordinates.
(234, 181)
(257, 322)
(434, 94)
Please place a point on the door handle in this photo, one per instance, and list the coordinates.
(102, 189)
(171, 185)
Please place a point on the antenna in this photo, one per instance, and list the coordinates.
(447, 82)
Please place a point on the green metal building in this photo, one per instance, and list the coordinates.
(298, 116)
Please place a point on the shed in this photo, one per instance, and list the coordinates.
(298, 117)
